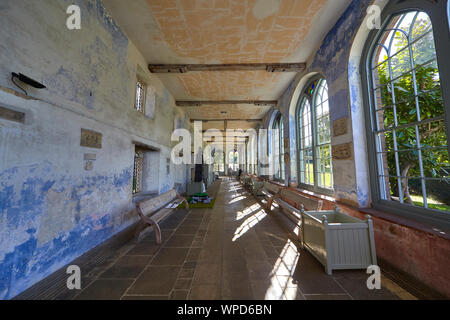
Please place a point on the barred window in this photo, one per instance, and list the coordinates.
(140, 96)
(137, 171)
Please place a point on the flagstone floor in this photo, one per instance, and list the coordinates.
(233, 251)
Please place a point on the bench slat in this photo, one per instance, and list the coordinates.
(272, 188)
(308, 203)
(293, 213)
(158, 202)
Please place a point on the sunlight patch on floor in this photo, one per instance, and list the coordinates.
(282, 285)
(237, 199)
(247, 211)
(248, 224)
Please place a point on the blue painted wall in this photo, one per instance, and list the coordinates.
(51, 209)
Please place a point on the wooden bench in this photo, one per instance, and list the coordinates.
(307, 204)
(257, 186)
(154, 210)
(270, 192)
(246, 181)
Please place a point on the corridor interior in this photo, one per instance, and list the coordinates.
(114, 111)
(235, 251)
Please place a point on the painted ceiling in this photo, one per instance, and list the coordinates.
(226, 31)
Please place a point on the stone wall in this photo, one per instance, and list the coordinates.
(53, 206)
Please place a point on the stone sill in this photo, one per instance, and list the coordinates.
(406, 222)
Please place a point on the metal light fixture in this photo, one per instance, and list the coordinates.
(27, 80)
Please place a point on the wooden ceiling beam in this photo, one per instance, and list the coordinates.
(259, 103)
(269, 67)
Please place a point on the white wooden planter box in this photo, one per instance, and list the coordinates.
(338, 241)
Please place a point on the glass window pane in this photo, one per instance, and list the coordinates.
(424, 49)
(422, 26)
(400, 63)
(438, 194)
(323, 137)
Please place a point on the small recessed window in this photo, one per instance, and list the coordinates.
(137, 172)
(140, 96)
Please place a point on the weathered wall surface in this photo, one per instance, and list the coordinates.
(52, 210)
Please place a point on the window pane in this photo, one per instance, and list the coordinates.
(324, 172)
(140, 94)
(439, 193)
(306, 125)
(323, 137)
(421, 27)
(309, 167)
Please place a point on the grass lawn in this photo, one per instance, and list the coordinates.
(309, 176)
(432, 204)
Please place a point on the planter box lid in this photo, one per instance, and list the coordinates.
(334, 217)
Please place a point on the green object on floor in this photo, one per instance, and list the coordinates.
(200, 194)
(198, 205)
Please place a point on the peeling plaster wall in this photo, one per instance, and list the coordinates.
(331, 60)
(51, 209)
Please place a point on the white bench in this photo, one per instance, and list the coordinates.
(246, 180)
(307, 204)
(271, 192)
(154, 210)
(257, 187)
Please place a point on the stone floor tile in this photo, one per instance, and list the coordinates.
(105, 289)
(204, 292)
(180, 241)
(170, 257)
(179, 295)
(155, 280)
(127, 267)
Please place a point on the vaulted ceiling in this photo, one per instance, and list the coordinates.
(226, 32)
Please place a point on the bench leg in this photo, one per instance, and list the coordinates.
(157, 233)
(143, 225)
(140, 227)
(269, 204)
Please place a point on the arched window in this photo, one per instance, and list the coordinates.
(314, 138)
(219, 161)
(408, 128)
(278, 148)
(233, 160)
